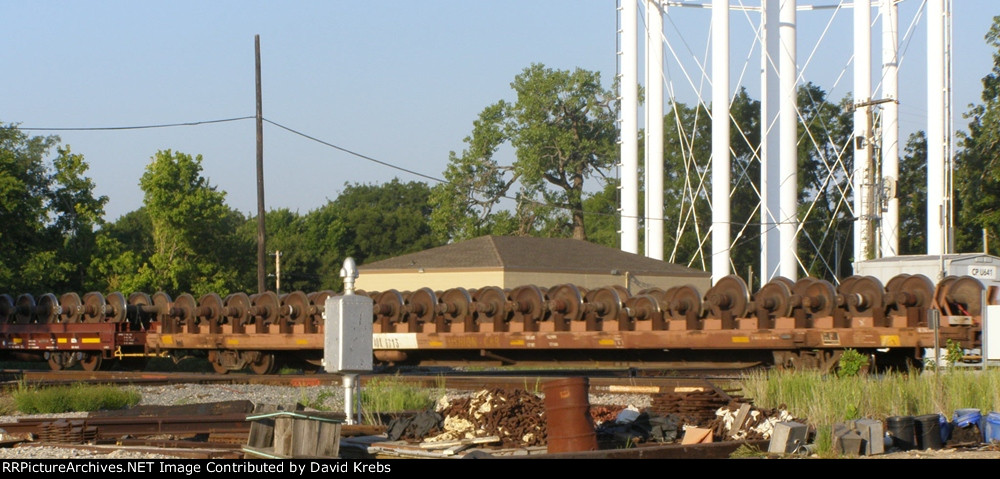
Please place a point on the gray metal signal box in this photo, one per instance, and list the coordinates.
(347, 346)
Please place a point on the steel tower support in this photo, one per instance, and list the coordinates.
(937, 211)
(890, 126)
(788, 125)
(720, 140)
(630, 128)
(654, 130)
(770, 176)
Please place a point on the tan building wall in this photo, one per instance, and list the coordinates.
(442, 280)
(437, 280)
(634, 283)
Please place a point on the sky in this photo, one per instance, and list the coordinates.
(400, 82)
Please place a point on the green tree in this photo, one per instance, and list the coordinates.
(197, 248)
(78, 212)
(603, 221)
(826, 159)
(687, 210)
(286, 235)
(744, 141)
(911, 189)
(380, 221)
(134, 230)
(310, 246)
(326, 236)
(687, 147)
(120, 250)
(977, 176)
(687, 213)
(49, 215)
(562, 130)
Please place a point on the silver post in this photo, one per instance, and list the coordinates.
(934, 318)
(983, 351)
(350, 273)
(349, 398)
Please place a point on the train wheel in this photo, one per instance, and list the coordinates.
(91, 362)
(55, 362)
(217, 366)
(264, 364)
(309, 368)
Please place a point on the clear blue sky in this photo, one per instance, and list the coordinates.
(397, 81)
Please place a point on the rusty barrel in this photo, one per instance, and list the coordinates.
(567, 409)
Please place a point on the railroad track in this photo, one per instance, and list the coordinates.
(216, 430)
(430, 378)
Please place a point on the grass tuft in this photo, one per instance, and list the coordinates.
(747, 452)
(826, 399)
(78, 397)
(388, 394)
(319, 402)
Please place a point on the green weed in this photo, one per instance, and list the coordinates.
(954, 353)
(78, 397)
(319, 402)
(747, 452)
(826, 400)
(388, 394)
(852, 363)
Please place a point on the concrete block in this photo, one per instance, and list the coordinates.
(787, 437)
(850, 443)
(873, 434)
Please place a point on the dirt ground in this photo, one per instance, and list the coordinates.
(984, 452)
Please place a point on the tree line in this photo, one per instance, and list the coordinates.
(184, 237)
(528, 168)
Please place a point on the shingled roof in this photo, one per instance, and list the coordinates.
(522, 253)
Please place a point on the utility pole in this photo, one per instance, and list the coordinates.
(870, 213)
(277, 272)
(261, 251)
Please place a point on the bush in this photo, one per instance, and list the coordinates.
(954, 353)
(852, 363)
(78, 397)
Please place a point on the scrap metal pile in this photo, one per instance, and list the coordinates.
(696, 407)
(753, 423)
(516, 416)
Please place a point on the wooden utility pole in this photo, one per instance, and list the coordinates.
(261, 251)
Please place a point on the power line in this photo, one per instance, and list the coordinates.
(139, 127)
(435, 179)
(359, 155)
(350, 152)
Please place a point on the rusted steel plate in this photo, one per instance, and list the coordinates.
(183, 453)
(272, 341)
(715, 450)
(69, 336)
(699, 339)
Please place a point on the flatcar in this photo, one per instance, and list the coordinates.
(790, 324)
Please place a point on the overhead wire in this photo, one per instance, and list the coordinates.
(309, 137)
(135, 127)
